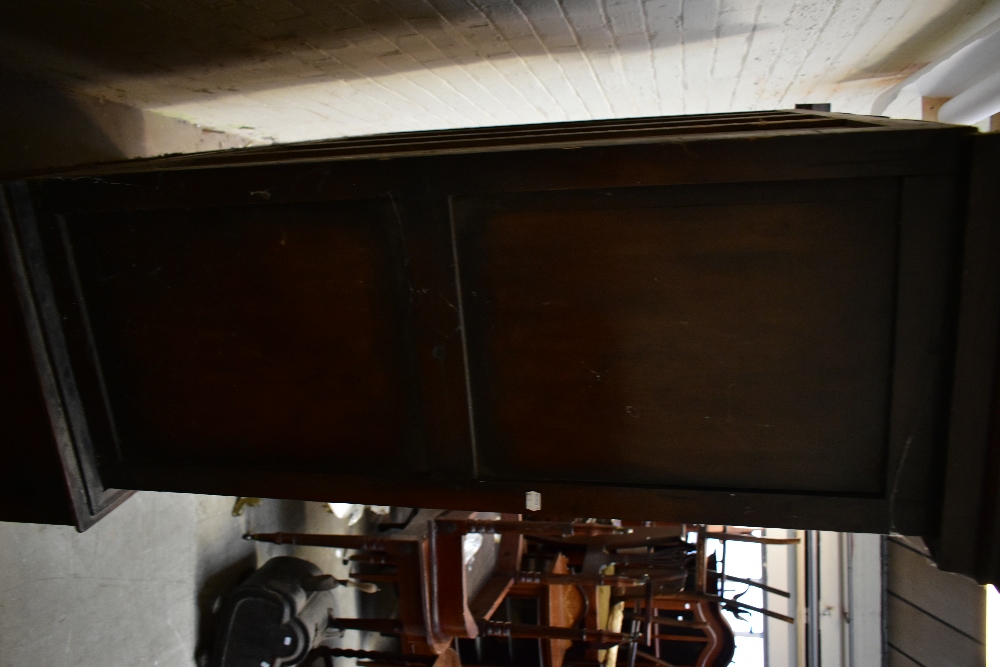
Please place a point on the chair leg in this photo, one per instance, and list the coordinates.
(530, 631)
(361, 542)
(549, 579)
(653, 659)
(372, 558)
(328, 653)
(377, 578)
(385, 626)
(701, 563)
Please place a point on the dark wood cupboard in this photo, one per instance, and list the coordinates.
(775, 318)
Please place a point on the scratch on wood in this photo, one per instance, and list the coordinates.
(895, 484)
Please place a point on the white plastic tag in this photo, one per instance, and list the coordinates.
(533, 501)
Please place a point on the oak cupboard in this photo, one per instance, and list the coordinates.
(782, 318)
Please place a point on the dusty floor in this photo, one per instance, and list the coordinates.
(139, 587)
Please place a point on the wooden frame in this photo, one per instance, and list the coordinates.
(969, 541)
(422, 182)
(78, 496)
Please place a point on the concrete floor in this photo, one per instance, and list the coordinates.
(139, 588)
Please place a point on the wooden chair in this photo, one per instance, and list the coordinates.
(685, 634)
(687, 626)
(677, 609)
(575, 567)
(562, 602)
(440, 598)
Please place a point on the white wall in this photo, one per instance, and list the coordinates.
(289, 70)
(43, 126)
(850, 600)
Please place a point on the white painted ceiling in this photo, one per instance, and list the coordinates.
(291, 70)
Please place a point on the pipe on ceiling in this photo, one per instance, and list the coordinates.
(979, 101)
(967, 63)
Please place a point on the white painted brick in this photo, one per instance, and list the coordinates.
(736, 21)
(629, 26)
(767, 42)
(807, 19)
(593, 32)
(304, 69)
(700, 20)
(664, 18)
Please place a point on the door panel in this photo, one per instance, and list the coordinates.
(729, 337)
(253, 336)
